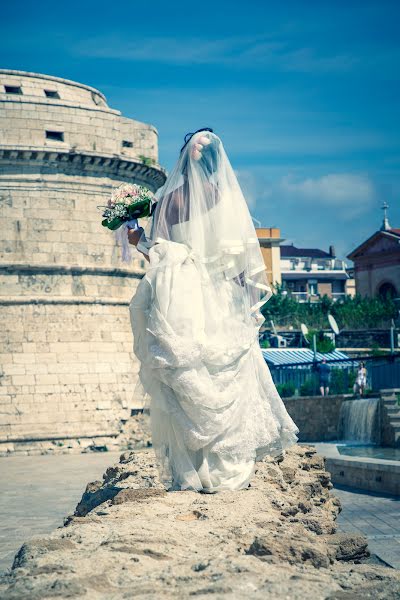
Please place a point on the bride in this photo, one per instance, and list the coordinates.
(195, 319)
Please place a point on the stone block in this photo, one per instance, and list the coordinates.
(19, 380)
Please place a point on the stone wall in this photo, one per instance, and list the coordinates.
(372, 475)
(80, 113)
(317, 417)
(67, 369)
(68, 373)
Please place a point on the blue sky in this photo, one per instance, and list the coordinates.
(305, 95)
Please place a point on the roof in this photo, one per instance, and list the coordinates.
(290, 251)
(287, 356)
(326, 274)
(381, 232)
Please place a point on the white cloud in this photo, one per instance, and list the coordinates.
(250, 187)
(354, 193)
(247, 51)
(348, 195)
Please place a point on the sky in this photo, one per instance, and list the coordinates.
(304, 94)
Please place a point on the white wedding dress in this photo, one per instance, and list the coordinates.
(213, 405)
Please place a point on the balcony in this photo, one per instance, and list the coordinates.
(308, 297)
(299, 296)
(338, 296)
(308, 265)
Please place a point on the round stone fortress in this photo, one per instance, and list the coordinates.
(67, 368)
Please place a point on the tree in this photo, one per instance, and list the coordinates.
(356, 312)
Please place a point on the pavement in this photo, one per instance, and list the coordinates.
(376, 516)
(37, 492)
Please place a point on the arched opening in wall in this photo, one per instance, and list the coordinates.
(387, 290)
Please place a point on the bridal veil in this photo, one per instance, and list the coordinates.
(195, 319)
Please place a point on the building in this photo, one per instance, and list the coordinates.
(306, 273)
(351, 282)
(377, 262)
(310, 273)
(270, 239)
(67, 369)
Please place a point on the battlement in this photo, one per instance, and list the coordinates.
(51, 112)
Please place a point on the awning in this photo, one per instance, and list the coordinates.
(299, 356)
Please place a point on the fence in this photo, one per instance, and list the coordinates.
(385, 374)
(302, 379)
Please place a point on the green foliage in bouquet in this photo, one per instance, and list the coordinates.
(128, 201)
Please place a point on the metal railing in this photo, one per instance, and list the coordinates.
(304, 296)
(300, 296)
(383, 372)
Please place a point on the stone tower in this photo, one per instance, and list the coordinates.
(67, 369)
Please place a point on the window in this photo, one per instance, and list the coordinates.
(51, 94)
(127, 144)
(13, 89)
(98, 100)
(313, 288)
(57, 136)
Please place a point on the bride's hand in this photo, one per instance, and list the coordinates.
(134, 235)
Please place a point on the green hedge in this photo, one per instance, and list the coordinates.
(286, 390)
(356, 312)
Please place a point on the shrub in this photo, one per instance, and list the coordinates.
(324, 344)
(356, 312)
(309, 387)
(341, 380)
(146, 160)
(285, 390)
(376, 350)
(265, 343)
(338, 381)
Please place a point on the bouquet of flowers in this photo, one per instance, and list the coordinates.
(128, 203)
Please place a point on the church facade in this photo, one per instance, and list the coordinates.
(377, 263)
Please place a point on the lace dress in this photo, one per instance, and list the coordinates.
(214, 407)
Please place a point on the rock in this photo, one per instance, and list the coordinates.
(132, 472)
(32, 550)
(129, 495)
(305, 506)
(318, 526)
(391, 591)
(289, 474)
(130, 537)
(347, 546)
(93, 496)
(280, 549)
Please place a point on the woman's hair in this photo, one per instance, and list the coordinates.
(209, 156)
(189, 136)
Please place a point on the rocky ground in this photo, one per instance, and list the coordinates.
(130, 538)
